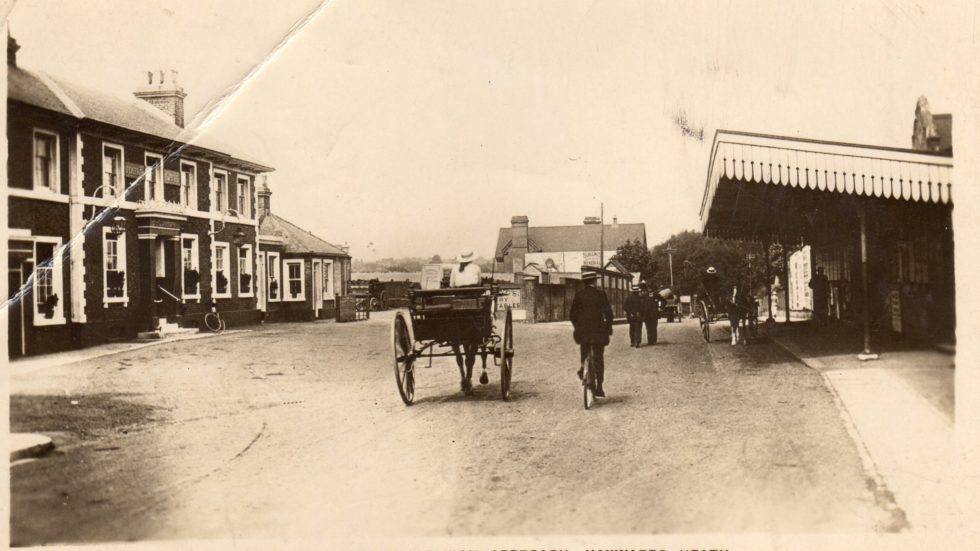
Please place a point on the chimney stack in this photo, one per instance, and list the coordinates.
(12, 48)
(165, 96)
(591, 220)
(264, 197)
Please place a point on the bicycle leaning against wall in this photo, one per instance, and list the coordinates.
(212, 320)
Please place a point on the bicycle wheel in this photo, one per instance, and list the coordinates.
(213, 322)
(588, 381)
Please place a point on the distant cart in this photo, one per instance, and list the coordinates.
(436, 320)
(383, 294)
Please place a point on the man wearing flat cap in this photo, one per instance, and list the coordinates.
(592, 318)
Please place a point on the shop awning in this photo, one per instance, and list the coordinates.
(762, 187)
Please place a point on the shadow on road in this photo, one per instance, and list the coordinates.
(490, 393)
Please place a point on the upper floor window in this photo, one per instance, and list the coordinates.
(220, 191)
(153, 179)
(188, 184)
(112, 170)
(244, 197)
(46, 160)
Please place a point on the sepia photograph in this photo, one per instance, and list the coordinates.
(456, 275)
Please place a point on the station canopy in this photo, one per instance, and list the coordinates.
(777, 189)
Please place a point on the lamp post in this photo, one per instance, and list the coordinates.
(670, 263)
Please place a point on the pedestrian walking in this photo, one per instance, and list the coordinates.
(635, 306)
(592, 318)
(654, 302)
(821, 290)
(735, 305)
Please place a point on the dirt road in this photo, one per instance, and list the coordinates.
(297, 430)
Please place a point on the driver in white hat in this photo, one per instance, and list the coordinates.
(466, 274)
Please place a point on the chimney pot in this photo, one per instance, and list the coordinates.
(167, 97)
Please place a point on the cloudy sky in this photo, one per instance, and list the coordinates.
(417, 127)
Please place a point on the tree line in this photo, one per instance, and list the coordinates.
(691, 254)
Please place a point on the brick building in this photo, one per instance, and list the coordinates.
(116, 224)
(301, 274)
(562, 249)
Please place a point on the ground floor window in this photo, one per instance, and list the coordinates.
(114, 267)
(190, 260)
(49, 307)
(245, 270)
(221, 270)
(294, 280)
(272, 276)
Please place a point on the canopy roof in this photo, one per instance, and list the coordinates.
(771, 187)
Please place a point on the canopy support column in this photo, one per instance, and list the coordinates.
(866, 354)
(770, 319)
(786, 283)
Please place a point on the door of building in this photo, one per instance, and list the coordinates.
(169, 279)
(317, 288)
(16, 336)
(260, 282)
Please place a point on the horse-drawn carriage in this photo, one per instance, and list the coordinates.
(708, 313)
(439, 322)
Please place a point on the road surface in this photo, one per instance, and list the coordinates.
(297, 431)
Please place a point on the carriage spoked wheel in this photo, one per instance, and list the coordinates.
(704, 318)
(506, 356)
(402, 345)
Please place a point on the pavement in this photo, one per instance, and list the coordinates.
(900, 412)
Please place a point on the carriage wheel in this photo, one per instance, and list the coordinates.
(588, 381)
(401, 344)
(704, 318)
(506, 356)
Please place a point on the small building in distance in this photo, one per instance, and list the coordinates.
(562, 249)
(301, 275)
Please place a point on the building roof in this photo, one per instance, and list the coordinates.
(747, 172)
(73, 100)
(834, 167)
(295, 239)
(583, 237)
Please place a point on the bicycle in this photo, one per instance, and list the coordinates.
(588, 380)
(213, 321)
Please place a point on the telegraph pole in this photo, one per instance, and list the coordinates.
(670, 262)
(602, 237)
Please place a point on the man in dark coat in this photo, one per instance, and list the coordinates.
(635, 306)
(592, 318)
(654, 301)
(821, 292)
